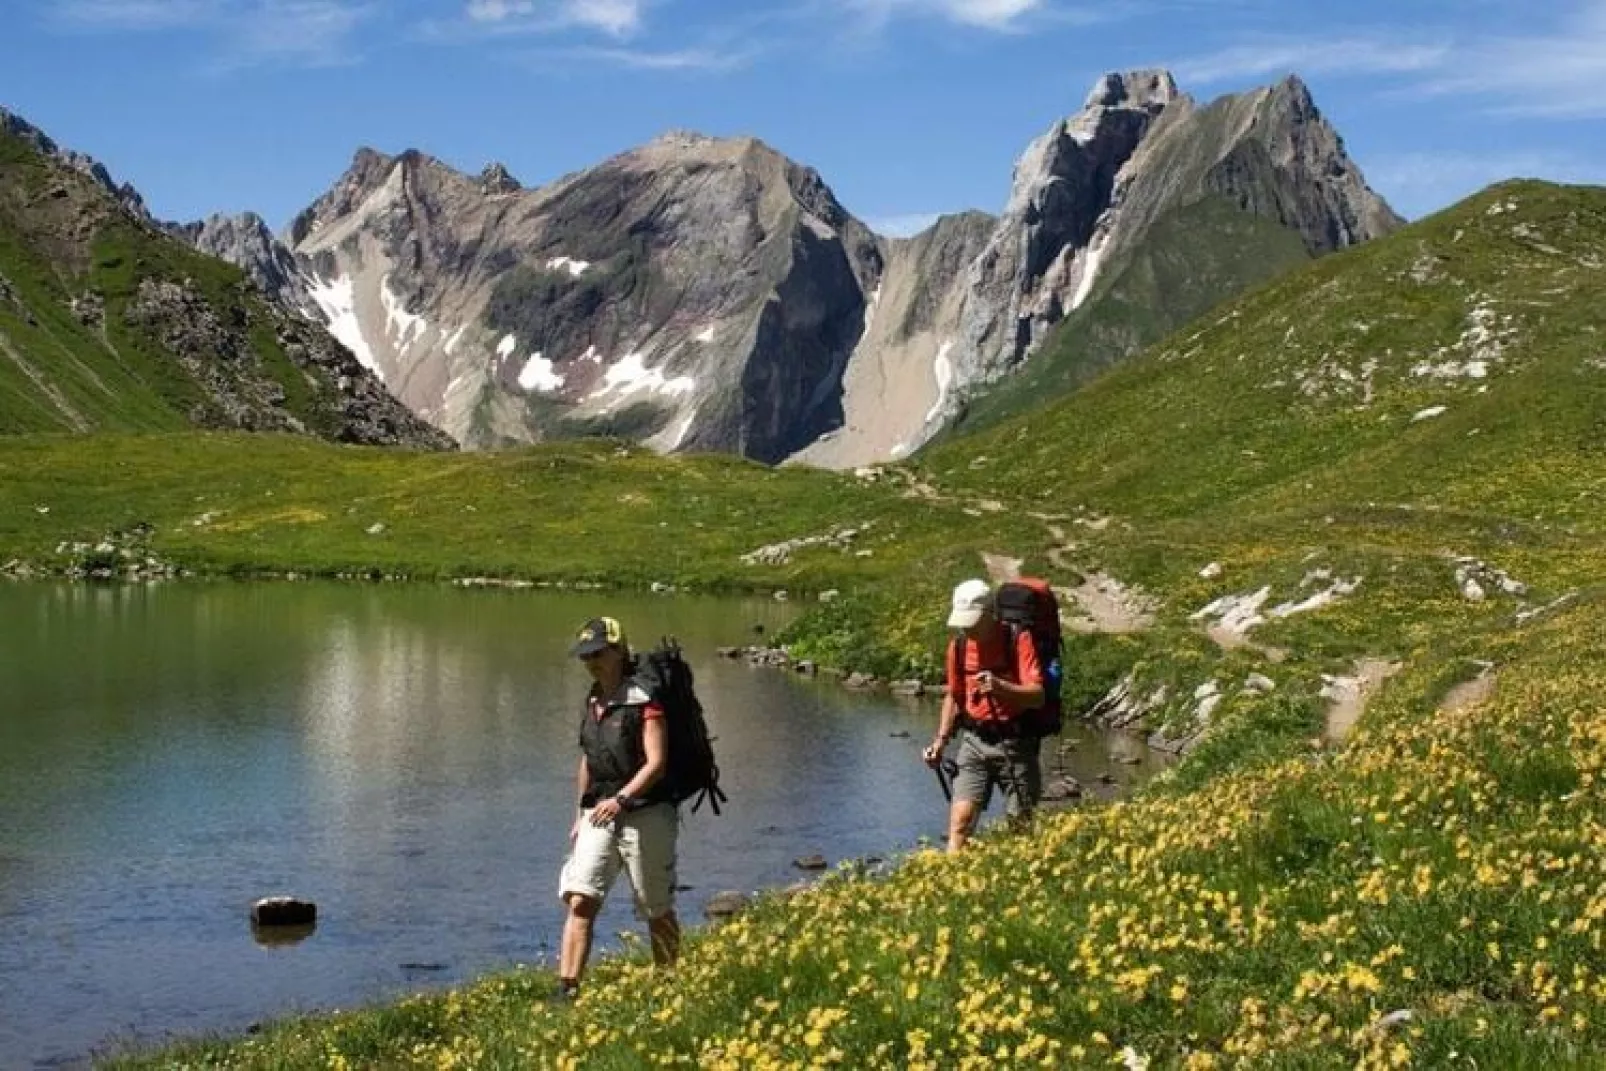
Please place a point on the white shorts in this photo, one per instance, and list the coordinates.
(642, 842)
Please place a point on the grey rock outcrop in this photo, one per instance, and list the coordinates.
(497, 179)
(246, 240)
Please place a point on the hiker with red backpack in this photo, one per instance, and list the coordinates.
(644, 749)
(1001, 699)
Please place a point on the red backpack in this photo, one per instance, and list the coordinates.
(1029, 604)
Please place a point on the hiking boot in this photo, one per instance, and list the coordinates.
(568, 992)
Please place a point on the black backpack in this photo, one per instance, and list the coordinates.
(692, 772)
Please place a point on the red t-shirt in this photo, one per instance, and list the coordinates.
(993, 654)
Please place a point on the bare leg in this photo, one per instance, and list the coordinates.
(576, 946)
(665, 931)
(961, 820)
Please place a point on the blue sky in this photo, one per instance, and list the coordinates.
(907, 107)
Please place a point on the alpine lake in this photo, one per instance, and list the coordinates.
(402, 755)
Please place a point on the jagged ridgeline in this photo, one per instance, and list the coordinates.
(706, 294)
(109, 324)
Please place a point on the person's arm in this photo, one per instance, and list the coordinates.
(582, 785)
(945, 728)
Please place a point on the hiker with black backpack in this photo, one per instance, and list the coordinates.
(998, 701)
(626, 813)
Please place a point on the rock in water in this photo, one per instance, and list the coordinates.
(283, 911)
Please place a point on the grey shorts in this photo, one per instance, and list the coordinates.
(641, 843)
(1011, 764)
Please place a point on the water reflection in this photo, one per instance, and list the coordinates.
(282, 936)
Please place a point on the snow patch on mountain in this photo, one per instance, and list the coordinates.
(670, 439)
(1090, 271)
(454, 339)
(575, 268)
(337, 301)
(539, 375)
(630, 374)
(406, 327)
(943, 369)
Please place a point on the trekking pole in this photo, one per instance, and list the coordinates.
(945, 771)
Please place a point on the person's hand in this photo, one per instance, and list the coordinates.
(985, 684)
(933, 753)
(605, 811)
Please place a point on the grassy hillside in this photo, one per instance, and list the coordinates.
(585, 512)
(57, 374)
(1389, 465)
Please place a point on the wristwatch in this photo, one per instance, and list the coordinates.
(628, 803)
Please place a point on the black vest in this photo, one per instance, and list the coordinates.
(613, 743)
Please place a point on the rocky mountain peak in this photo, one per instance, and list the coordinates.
(679, 138)
(497, 179)
(1150, 90)
(1293, 91)
(246, 240)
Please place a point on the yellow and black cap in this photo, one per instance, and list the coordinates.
(596, 635)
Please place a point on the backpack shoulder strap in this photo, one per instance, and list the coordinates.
(1013, 644)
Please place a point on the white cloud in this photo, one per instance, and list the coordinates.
(1282, 55)
(617, 18)
(309, 32)
(997, 15)
(245, 32)
(1555, 73)
(136, 14)
(684, 59)
(1415, 183)
(1559, 74)
(497, 10)
(993, 14)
